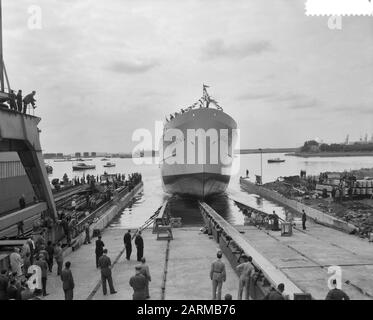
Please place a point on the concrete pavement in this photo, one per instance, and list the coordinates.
(190, 257)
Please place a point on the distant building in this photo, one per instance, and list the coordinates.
(78, 154)
(49, 155)
(59, 155)
(85, 154)
(93, 154)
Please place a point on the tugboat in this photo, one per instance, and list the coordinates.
(109, 165)
(197, 167)
(275, 160)
(83, 166)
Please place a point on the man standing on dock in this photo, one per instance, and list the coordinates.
(86, 230)
(146, 273)
(67, 281)
(50, 250)
(127, 243)
(138, 283)
(58, 255)
(246, 271)
(40, 261)
(304, 219)
(105, 265)
(139, 242)
(99, 249)
(217, 276)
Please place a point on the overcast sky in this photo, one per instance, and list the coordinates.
(102, 69)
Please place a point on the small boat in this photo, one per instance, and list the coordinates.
(275, 160)
(83, 166)
(104, 159)
(49, 168)
(109, 165)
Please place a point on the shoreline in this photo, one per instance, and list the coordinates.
(330, 154)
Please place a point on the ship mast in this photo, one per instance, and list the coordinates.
(206, 96)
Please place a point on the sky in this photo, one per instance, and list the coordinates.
(102, 69)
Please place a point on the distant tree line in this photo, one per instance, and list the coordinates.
(314, 146)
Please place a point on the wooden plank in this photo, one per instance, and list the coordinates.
(5, 243)
(21, 215)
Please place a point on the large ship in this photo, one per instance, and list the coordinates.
(196, 151)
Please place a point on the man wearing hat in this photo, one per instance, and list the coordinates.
(139, 242)
(127, 242)
(67, 281)
(138, 283)
(246, 271)
(146, 273)
(99, 249)
(105, 265)
(217, 276)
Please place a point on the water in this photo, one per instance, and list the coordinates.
(153, 195)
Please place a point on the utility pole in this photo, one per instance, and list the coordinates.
(261, 166)
(1, 52)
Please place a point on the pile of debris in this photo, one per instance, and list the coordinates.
(290, 187)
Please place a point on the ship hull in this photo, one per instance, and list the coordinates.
(198, 185)
(202, 178)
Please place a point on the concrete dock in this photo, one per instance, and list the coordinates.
(190, 256)
(302, 258)
(306, 256)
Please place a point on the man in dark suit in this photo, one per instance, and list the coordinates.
(67, 281)
(127, 243)
(50, 250)
(105, 265)
(304, 219)
(19, 100)
(139, 242)
(99, 249)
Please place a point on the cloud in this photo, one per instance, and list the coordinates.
(304, 103)
(132, 67)
(355, 109)
(219, 49)
(291, 100)
(256, 96)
